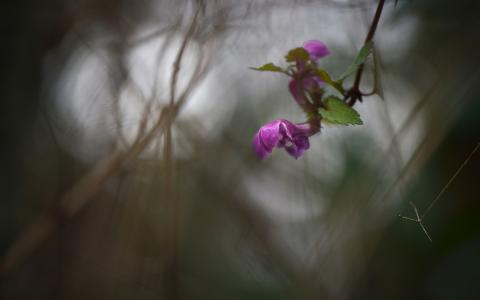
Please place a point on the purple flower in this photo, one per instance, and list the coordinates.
(308, 81)
(282, 134)
(316, 49)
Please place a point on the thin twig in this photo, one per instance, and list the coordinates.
(85, 189)
(178, 59)
(451, 180)
(354, 93)
(169, 182)
(420, 222)
(419, 218)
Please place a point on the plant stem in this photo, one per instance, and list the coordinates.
(354, 93)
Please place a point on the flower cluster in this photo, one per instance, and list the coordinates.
(304, 79)
(307, 85)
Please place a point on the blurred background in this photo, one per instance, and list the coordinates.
(127, 170)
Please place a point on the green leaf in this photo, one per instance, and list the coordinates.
(297, 54)
(328, 80)
(337, 112)
(270, 67)
(359, 60)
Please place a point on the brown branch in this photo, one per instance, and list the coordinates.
(354, 93)
(169, 182)
(178, 59)
(74, 200)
